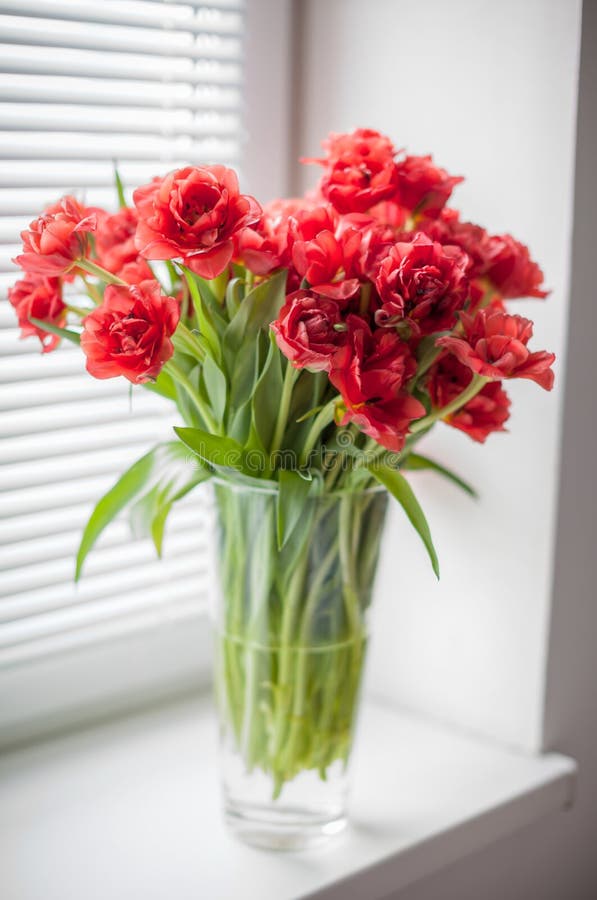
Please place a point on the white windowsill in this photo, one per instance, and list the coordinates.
(130, 809)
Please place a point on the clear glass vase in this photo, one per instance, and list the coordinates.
(291, 635)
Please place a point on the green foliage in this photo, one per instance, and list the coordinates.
(216, 451)
(164, 385)
(242, 411)
(240, 344)
(73, 336)
(215, 387)
(119, 188)
(203, 303)
(401, 490)
(158, 479)
(265, 401)
(293, 491)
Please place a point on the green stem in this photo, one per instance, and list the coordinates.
(427, 362)
(172, 273)
(186, 341)
(290, 377)
(364, 299)
(103, 274)
(323, 418)
(332, 473)
(77, 310)
(92, 291)
(177, 373)
(477, 384)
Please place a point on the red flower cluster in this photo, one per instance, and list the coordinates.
(389, 292)
(383, 264)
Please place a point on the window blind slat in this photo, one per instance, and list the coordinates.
(112, 559)
(49, 614)
(59, 544)
(107, 621)
(90, 36)
(29, 201)
(186, 17)
(81, 145)
(53, 117)
(27, 59)
(44, 419)
(35, 366)
(82, 439)
(32, 530)
(54, 496)
(71, 389)
(113, 93)
(66, 468)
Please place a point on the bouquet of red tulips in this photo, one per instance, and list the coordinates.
(308, 345)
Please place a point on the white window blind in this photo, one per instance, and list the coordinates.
(152, 85)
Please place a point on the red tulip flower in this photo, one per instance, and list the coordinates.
(56, 239)
(481, 416)
(37, 297)
(129, 334)
(193, 214)
(495, 346)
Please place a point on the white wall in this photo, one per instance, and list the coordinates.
(490, 89)
(556, 859)
(267, 109)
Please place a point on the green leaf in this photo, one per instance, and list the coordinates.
(220, 452)
(310, 413)
(293, 491)
(212, 293)
(234, 296)
(401, 490)
(216, 387)
(415, 461)
(119, 188)
(239, 424)
(204, 316)
(266, 396)
(258, 309)
(240, 345)
(218, 287)
(150, 513)
(243, 370)
(166, 466)
(65, 333)
(158, 523)
(163, 385)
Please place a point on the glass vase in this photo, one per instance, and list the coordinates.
(290, 628)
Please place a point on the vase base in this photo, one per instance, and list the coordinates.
(284, 829)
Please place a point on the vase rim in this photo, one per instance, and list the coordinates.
(263, 486)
